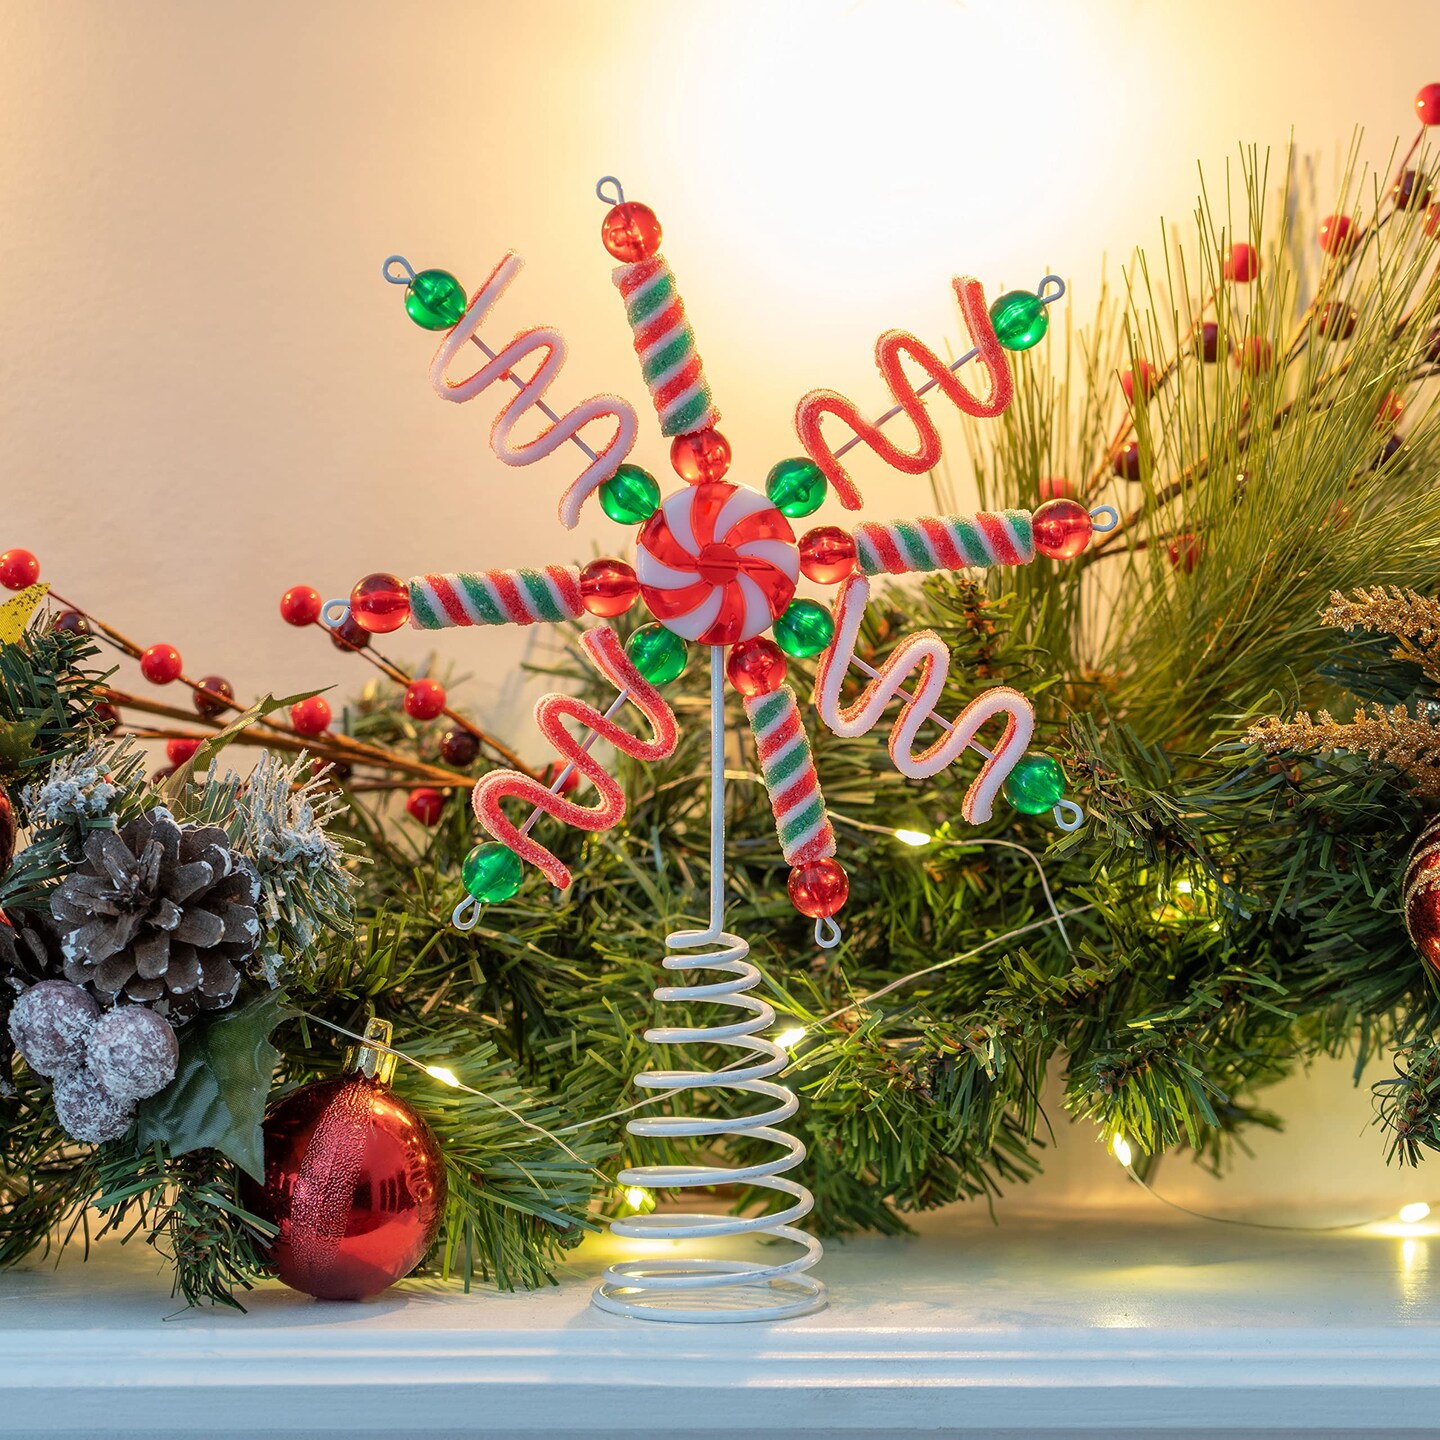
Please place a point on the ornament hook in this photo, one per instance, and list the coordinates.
(1050, 289)
(619, 196)
(407, 270)
(1109, 514)
(341, 613)
(827, 932)
(1068, 815)
(466, 915)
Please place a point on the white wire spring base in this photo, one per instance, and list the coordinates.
(697, 1290)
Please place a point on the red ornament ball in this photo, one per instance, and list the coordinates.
(1055, 487)
(1421, 894)
(1139, 382)
(1125, 461)
(424, 699)
(380, 603)
(554, 770)
(179, 751)
(1185, 551)
(1411, 191)
(630, 232)
(1242, 264)
(425, 805)
(1337, 321)
(210, 699)
(1209, 342)
(608, 587)
(300, 605)
(311, 716)
(1427, 104)
(819, 888)
(756, 666)
(160, 664)
(355, 1185)
(1062, 529)
(459, 748)
(1337, 234)
(701, 456)
(1255, 355)
(348, 635)
(18, 568)
(827, 554)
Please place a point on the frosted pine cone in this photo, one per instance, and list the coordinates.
(159, 914)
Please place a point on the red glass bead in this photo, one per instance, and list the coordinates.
(756, 667)
(630, 232)
(552, 772)
(312, 716)
(700, 456)
(380, 603)
(1209, 342)
(210, 698)
(426, 805)
(608, 587)
(300, 605)
(72, 621)
(424, 699)
(1427, 104)
(347, 635)
(1337, 234)
(1392, 407)
(1254, 355)
(1337, 321)
(1055, 487)
(179, 751)
(1185, 551)
(1242, 264)
(1139, 381)
(106, 717)
(1062, 529)
(18, 568)
(1411, 191)
(459, 748)
(827, 554)
(819, 888)
(1125, 461)
(160, 664)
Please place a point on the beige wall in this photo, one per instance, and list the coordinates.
(206, 392)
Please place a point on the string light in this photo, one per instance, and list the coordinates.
(1120, 1148)
(913, 837)
(444, 1076)
(637, 1197)
(788, 1039)
(1414, 1213)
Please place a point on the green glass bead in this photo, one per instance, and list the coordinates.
(1035, 785)
(492, 872)
(658, 654)
(804, 629)
(630, 495)
(1019, 319)
(435, 299)
(796, 487)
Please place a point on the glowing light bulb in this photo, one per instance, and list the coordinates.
(1415, 1213)
(1120, 1148)
(444, 1076)
(1183, 887)
(637, 1197)
(912, 837)
(788, 1039)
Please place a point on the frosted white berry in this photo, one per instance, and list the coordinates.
(87, 1111)
(133, 1052)
(50, 1024)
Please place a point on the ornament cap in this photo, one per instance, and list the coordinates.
(371, 1061)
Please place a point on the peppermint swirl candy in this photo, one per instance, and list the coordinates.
(717, 563)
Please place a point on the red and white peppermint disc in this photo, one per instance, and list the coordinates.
(717, 563)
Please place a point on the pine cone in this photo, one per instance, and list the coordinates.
(159, 914)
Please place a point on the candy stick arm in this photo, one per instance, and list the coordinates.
(495, 597)
(944, 542)
(788, 769)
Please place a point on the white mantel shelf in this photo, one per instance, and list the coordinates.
(1040, 1327)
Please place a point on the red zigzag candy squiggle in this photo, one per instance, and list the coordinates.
(925, 659)
(556, 432)
(889, 349)
(603, 649)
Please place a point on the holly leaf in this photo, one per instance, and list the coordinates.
(217, 1099)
